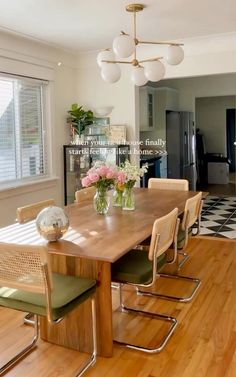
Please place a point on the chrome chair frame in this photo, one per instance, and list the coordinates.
(159, 316)
(181, 251)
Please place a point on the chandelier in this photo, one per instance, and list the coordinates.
(124, 46)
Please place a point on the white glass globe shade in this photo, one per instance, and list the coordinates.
(123, 46)
(154, 71)
(175, 55)
(110, 72)
(138, 77)
(104, 55)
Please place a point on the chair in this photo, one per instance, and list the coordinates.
(85, 194)
(139, 269)
(172, 184)
(31, 211)
(28, 284)
(192, 213)
(168, 184)
(23, 215)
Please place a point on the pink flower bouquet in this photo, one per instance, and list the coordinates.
(100, 176)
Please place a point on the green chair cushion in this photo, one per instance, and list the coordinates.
(67, 293)
(135, 267)
(181, 238)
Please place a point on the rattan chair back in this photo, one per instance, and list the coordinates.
(164, 233)
(192, 211)
(23, 267)
(168, 184)
(31, 211)
(85, 194)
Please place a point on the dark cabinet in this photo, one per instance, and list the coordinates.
(78, 159)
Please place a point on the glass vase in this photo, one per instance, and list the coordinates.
(101, 201)
(128, 203)
(117, 198)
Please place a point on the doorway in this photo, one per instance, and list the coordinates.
(215, 121)
(230, 135)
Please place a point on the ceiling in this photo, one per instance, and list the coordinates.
(85, 25)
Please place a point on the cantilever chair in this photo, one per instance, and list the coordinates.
(192, 213)
(84, 194)
(178, 185)
(31, 211)
(168, 184)
(27, 284)
(139, 269)
(25, 214)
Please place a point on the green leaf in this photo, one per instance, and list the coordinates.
(74, 106)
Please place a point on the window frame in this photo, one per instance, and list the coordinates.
(46, 93)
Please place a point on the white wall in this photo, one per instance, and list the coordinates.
(211, 120)
(43, 57)
(93, 92)
(205, 86)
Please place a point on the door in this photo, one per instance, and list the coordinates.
(230, 132)
(189, 149)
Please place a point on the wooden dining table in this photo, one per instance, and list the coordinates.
(92, 243)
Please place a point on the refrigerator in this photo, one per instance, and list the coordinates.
(180, 146)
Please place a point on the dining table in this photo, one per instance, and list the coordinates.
(92, 243)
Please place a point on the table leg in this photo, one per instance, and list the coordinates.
(75, 331)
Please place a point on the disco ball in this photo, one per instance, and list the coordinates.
(52, 223)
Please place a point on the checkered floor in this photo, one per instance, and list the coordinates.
(219, 217)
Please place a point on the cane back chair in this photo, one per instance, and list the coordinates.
(139, 269)
(28, 284)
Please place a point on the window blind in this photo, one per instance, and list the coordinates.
(22, 134)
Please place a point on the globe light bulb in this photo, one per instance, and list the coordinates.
(138, 77)
(175, 55)
(110, 72)
(154, 71)
(123, 46)
(104, 55)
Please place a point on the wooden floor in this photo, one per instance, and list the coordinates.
(204, 344)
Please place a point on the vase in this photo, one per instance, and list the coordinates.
(128, 203)
(101, 201)
(117, 198)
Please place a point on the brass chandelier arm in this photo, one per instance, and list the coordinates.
(161, 43)
(117, 61)
(151, 59)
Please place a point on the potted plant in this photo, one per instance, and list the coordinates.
(78, 119)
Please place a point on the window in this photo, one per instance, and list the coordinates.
(22, 133)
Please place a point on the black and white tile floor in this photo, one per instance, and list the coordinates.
(219, 217)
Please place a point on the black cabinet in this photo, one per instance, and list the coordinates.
(78, 159)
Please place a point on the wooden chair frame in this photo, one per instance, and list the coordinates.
(31, 211)
(85, 194)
